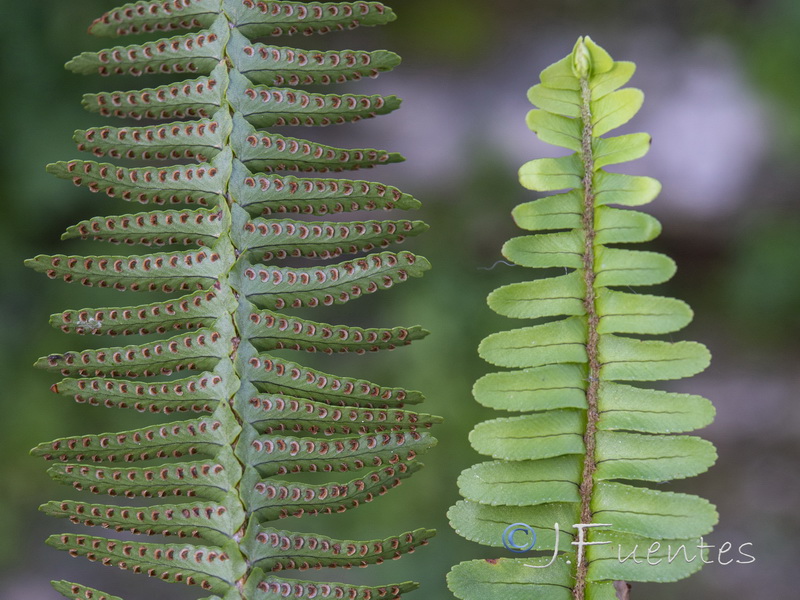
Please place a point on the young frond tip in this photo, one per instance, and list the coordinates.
(566, 469)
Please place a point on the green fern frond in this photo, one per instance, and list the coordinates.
(221, 476)
(585, 439)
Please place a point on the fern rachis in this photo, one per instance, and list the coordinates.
(560, 467)
(262, 417)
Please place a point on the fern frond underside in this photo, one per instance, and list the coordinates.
(252, 419)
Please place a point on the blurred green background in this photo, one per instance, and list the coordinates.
(722, 79)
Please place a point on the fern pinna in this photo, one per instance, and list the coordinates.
(559, 468)
(259, 418)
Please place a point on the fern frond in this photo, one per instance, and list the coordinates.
(323, 239)
(81, 592)
(574, 458)
(274, 588)
(202, 184)
(219, 477)
(201, 140)
(197, 394)
(205, 436)
(270, 194)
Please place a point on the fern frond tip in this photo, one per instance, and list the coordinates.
(585, 430)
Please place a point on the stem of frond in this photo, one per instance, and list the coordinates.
(589, 303)
(237, 336)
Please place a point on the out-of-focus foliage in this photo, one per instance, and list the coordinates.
(739, 273)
